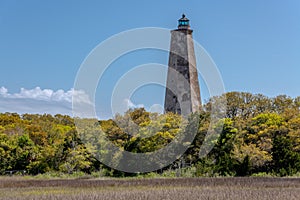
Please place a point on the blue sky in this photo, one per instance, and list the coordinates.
(255, 44)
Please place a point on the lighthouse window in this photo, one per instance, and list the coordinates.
(183, 23)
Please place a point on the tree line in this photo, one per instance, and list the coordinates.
(258, 134)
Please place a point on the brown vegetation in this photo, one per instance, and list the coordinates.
(180, 188)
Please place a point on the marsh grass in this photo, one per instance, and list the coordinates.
(252, 188)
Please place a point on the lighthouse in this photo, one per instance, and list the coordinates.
(182, 88)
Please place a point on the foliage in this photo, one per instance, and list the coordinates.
(259, 135)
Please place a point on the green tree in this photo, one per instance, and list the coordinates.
(224, 146)
(285, 160)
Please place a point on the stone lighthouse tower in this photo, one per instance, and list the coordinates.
(183, 91)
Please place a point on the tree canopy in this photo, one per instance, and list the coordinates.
(258, 134)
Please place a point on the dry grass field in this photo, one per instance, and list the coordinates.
(16, 188)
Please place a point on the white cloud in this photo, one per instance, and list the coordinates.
(130, 104)
(41, 101)
(3, 91)
(39, 94)
(157, 108)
